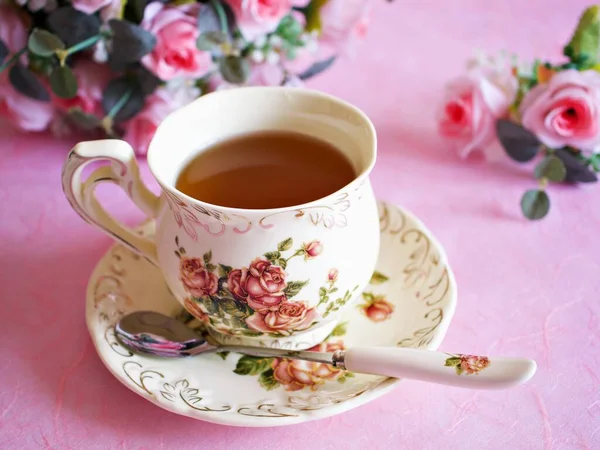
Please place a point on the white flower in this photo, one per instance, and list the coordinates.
(100, 52)
(182, 91)
(275, 41)
(272, 58)
(260, 42)
(257, 56)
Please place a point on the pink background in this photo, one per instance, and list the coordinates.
(525, 288)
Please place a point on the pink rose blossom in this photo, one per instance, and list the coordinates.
(91, 78)
(176, 31)
(265, 285)
(236, 283)
(290, 316)
(258, 17)
(196, 279)
(341, 22)
(565, 111)
(90, 6)
(332, 276)
(379, 309)
(295, 375)
(13, 29)
(472, 105)
(312, 249)
(472, 364)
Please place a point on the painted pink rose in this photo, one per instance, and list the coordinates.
(290, 316)
(379, 309)
(90, 6)
(470, 109)
(332, 276)
(473, 364)
(565, 111)
(295, 375)
(91, 78)
(140, 130)
(236, 283)
(176, 31)
(195, 310)
(258, 17)
(196, 279)
(312, 249)
(265, 285)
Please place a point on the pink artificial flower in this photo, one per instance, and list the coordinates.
(176, 31)
(91, 78)
(90, 6)
(565, 111)
(259, 17)
(470, 109)
(140, 129)
(288, 317)
(341, 22)
(19, 110)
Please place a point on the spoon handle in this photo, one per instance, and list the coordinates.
(468, 371)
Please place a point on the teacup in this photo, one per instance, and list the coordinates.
(279, 277)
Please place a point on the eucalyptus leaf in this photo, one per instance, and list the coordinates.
(577, 170)
(234, 69)
(134, 10)
(521, 145)
(44, 43)
(211, 40)
(146, 80)
(83, 120)
(552, 168)
(535, 204)
(27, 83)
(208, 19)
(3, 51)
(115, 91)
(63, 82)
(317, 68)
(72, 26)
(130, 42)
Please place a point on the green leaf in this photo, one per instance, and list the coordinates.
(223, 355)
(84, 121)
(211, 40)
(251, 333)
(234, 69)
(211, 267)
(585, 43)
(73, 26)
(235, 308)
(535, 204)
(595, 161)
(459, 370)
(349, 374)
(521, 145)
(115, 91)
(552, 168)
(251, 365)
(26, 82)
(209, 304)
(340, 329)
(317, 68)
(272, 256)
(285, 245)
(44, 43)
(378, 278)
(224, 270)
(267, 380)
(177, 254)
(63, 82)
(368, 296)
(4, 52)
(294, 287)
(322, 292)
(577, 170)
(207, 257)
(177, 241)
(282, 262)
(130, 42)
(451, 362)
(341, 379)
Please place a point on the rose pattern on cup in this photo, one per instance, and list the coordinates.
(376, 307)
(296, 375)
(467, 364)
(251, 301)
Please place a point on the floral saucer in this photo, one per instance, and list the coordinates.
(409, 303)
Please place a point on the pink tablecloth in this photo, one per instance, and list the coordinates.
(524, 288)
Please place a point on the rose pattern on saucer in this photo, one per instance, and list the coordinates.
(467, 364)
(252, 301)
(376, 307)
(295, 375)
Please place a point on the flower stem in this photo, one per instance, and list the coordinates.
(12, 59)
(222, 17)
(119, 105)
(83, 45)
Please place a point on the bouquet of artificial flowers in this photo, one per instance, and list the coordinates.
(541, 110)
(120, 66)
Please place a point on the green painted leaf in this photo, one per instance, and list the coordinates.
(341, 379)
(267, 380)
(272, 256)
(368, 296)
(459, 370)
(207, 257)
(251, 365)
(223, 355)
(234, 69)
(285, 245)
(378, 278)
(282, 262)
(224, 270)
(340, 329)
(552, 168)
(535, 204)
(349, 374)
(322, 292)
(294, 287)
(451, 362)
(44, 43)
(209, 304)
(63, 82)
(521, 145)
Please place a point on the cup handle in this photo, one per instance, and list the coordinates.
(122, 171)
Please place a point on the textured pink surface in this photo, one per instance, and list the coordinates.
(524, 288)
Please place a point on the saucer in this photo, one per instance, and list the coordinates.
(409, 303)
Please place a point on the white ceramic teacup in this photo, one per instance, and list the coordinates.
(278, 277)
